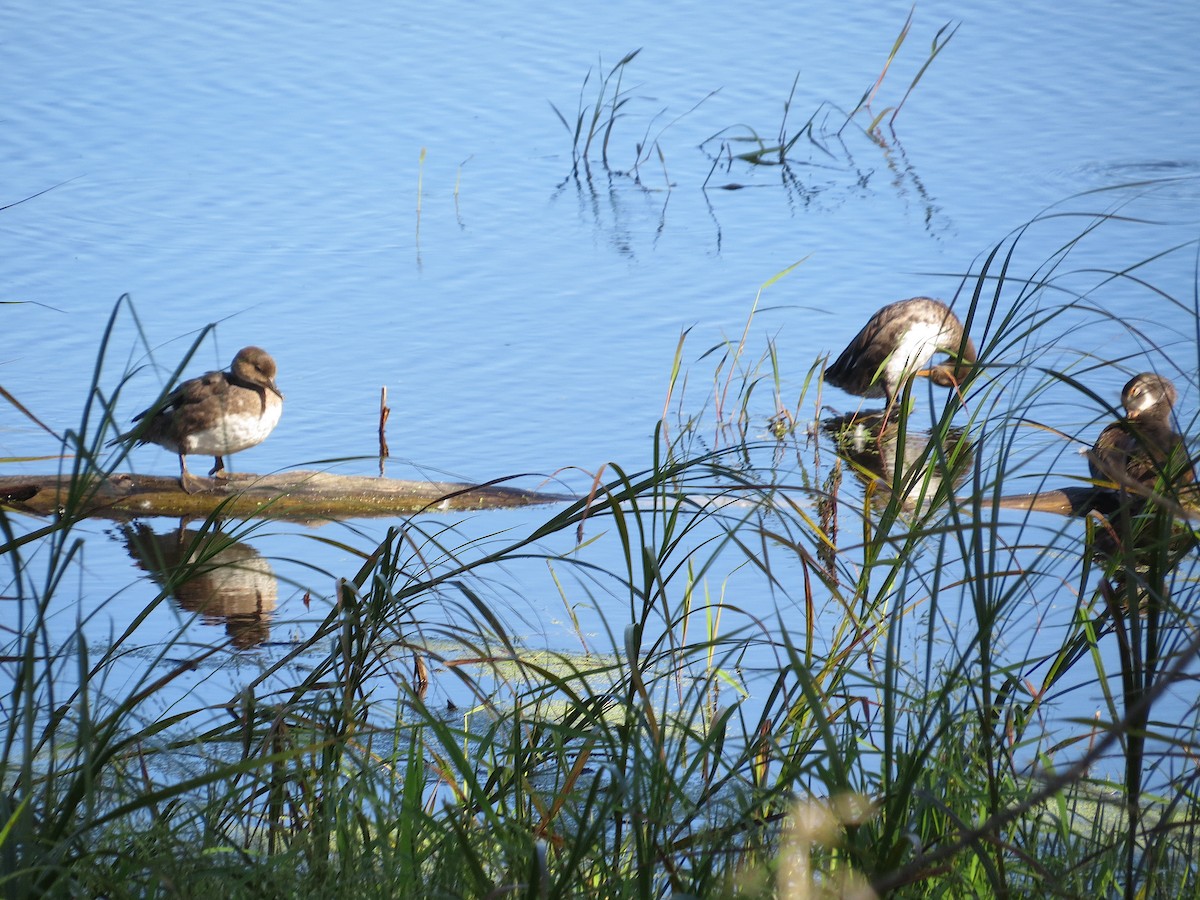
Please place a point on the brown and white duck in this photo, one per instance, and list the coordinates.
(897, 344)
(217, 414)
(1143, 447)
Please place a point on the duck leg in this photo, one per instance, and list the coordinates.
(895, 404)
(187, 480)
(218, 469)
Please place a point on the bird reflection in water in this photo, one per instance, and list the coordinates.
(225, 581)
(872, 445)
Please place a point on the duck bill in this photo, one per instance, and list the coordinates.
(956, 373)
(951, 375)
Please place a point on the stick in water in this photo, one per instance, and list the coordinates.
(384, 412)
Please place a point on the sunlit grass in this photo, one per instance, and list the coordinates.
(910, 713)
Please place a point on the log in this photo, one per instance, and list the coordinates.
(1184, 503)
(1067, 501)
(301, 495)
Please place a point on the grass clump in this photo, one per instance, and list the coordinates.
(605, 99)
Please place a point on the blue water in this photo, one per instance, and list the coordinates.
(262, 167)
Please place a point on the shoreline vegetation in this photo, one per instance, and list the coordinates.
(894, 728)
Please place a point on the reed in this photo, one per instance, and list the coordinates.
(821, 141)
(595, 121)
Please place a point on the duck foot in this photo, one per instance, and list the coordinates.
(191, 484)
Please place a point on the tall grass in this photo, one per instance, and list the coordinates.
(824, 130)
(594, 122)
(796, 672)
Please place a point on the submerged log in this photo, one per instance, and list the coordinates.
(290, 495)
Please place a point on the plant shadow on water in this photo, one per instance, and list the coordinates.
(782, 679)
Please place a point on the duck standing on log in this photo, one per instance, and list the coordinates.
(216, 414)
(1143, 447)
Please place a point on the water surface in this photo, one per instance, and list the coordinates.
(263, 168)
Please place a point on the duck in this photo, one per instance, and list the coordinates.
(216, 414)
(1139, 449)
(897, 344)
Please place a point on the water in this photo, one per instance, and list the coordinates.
(262, 168)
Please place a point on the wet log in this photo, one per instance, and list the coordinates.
(1184, 503)
(1067, 501)
(291, 495)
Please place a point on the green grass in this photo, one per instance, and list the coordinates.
(897, 720)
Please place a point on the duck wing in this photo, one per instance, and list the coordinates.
(189, 393)
(1128, 454)
(859, 368)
